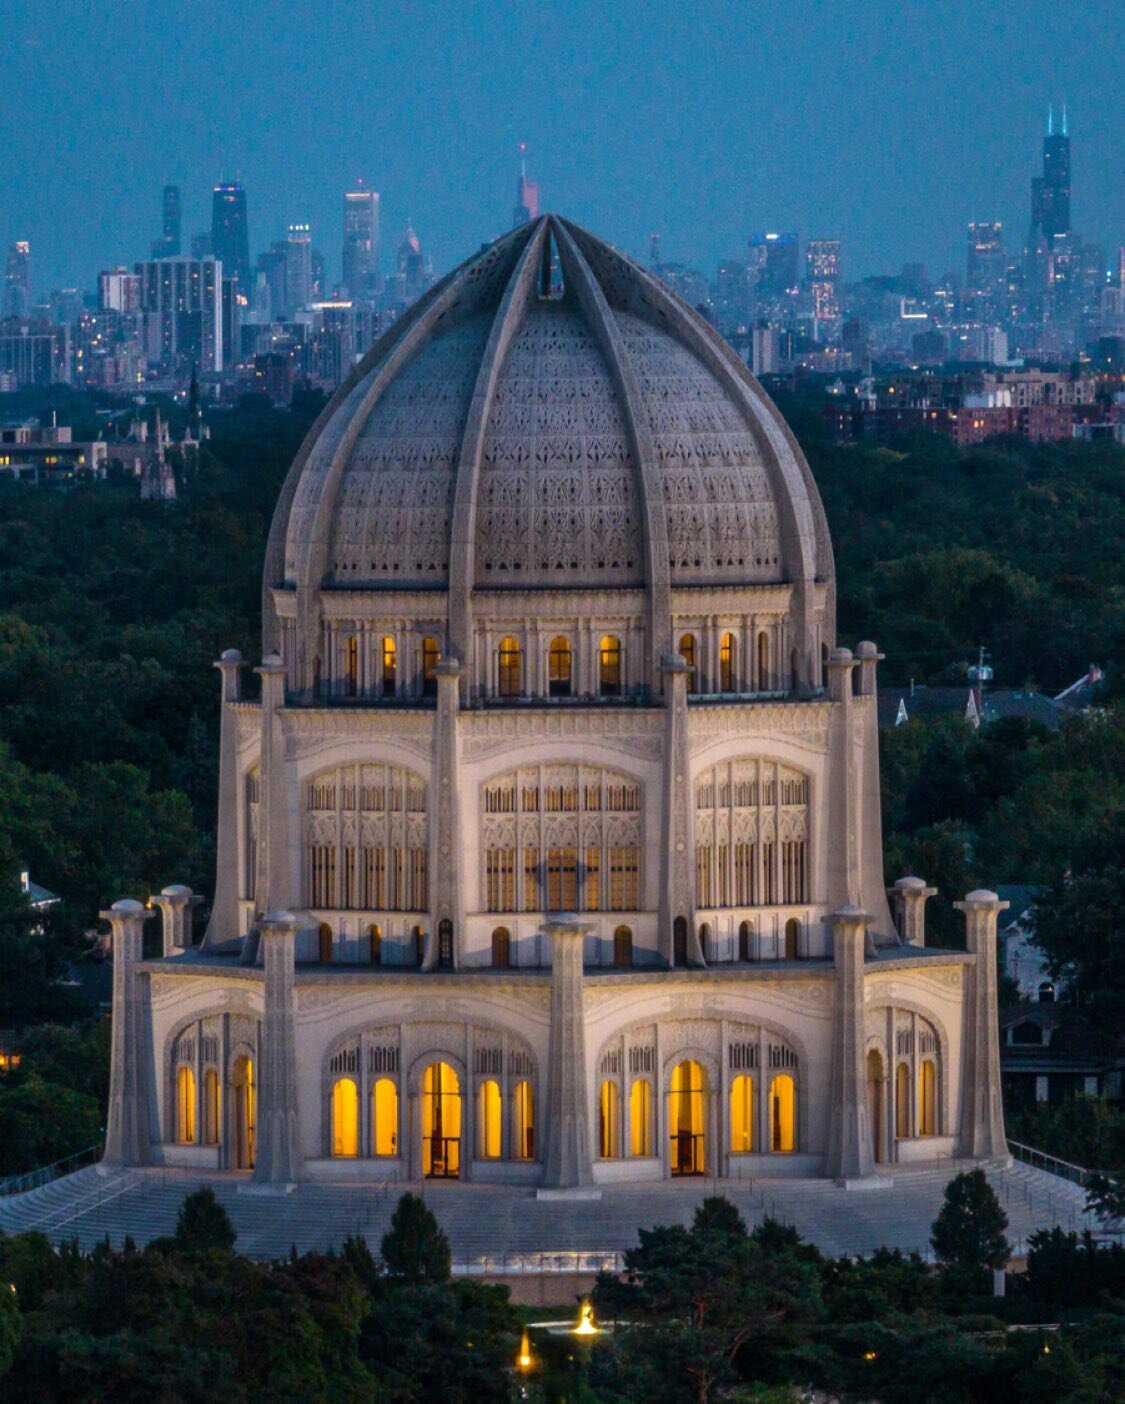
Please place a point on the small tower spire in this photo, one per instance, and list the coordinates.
(1050, 119)
(1064, 131)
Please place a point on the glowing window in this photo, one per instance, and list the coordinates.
(185, 1106)
(523, 1122)
(783, 1114)
(558, 668)
(441, 1122)
(488, 1120)
(927, 1099)
(384, 1117)
(742, 1115)
(728, 664)
(609, 1142)
(640, 1117)
(687, 652)
(509, 676)
(345, 1118)
(431, 657)
(211, 1108)
(351, 666)
(902, 1101)
(390, 666)
(685, 1117)
(609, 666)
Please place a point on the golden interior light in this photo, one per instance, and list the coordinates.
(586, 1325)
(523, 1360)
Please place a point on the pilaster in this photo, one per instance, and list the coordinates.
(277, 890)
(843, 873)
(849, 1151)
(569, 1163)
(447, 902)
(982, 1110)
(279, 1162)
(127, 1136)
(678, 846)
(223, 924)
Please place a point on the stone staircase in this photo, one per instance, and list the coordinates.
(495, 1228)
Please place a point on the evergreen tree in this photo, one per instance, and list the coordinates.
(414, 1248)
(968, 1233)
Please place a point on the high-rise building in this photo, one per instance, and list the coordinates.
(230, 234)
(527, 195)
(822, 270)
(182, 306)
(298, 266)
(361, 243)
(986, 262)
(17, 280)
(1050, 192)
(118, 290)
(773, 263)
(168, 245)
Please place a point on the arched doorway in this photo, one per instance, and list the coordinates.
(324, 943)
(384, 1117)
(441, 1123)
(875, 1104)
(902, 1102)
(705, 940)
(783, 1114)
(374, 944)
(501, 948)
(686, 1110)
(623, 946)
(792, 932)
(244, 1113)
(744, 934)
(679, 941)
(345, 1118)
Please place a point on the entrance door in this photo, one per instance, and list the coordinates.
(685, 1119)
(441, 1123)
(875, 1104)
(244, 1112)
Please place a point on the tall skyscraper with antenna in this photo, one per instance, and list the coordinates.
(527, 194)
(361, 242)
(1050, 192)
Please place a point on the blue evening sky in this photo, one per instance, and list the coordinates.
(885, 123)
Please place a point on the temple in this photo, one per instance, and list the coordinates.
(549, 848)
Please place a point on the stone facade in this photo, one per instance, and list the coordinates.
(549, 628)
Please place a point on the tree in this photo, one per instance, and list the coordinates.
(203, 1223)
(968, 1233)
(414, 1247)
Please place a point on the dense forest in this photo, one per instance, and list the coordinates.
(112, 612)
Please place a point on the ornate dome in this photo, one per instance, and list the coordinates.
(548, 416)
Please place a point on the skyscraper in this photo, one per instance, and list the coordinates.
(182, 303)
(230, 235)
(822, 270)
(361, 243)
(298, 266)
(527, 195)
(773, 263)
(1050, 192)
(17, 280)
(986, 267)
(168, 245)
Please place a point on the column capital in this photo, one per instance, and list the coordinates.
(982, 901)
(848, 917)
(126, 910)
(840, 665)
(278, 924)
(910, 895)
(174, 903)
(673, 663)
(229, 664)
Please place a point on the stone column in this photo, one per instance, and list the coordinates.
(279, 1162)
(910, 895)
(224, 924)
(447, 897)
(175, 909)
(569, 1164)
(849, 1153)
(678, 837)
(982, 1111)
(127, 1134)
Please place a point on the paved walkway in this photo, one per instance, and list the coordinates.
(498, 1229)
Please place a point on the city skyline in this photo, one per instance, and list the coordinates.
(849, 126)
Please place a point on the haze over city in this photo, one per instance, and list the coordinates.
(887, 128)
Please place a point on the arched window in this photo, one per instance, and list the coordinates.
(345, 1118)
(623, 946)
(705, 940)
(609, 666)
(384, 1117)
(501, 948)
(523, 1122)
(902, 1102)
(687, 652)
(211, 1107)
(742, 1115)
(640, 1117)
(685, 1117)
(245, 1113)
(375, 944)
(927, 1099)
(609, 1139)
(745, 933)
(441, 1123)
(794, 671)
(324, 943)
(431, 657)
(351, 666)
(509, 671)
(728, 664)
(875, 1103)
(185, 1105)
(419, 945)
(824, 665)
(763, 662)
(792, 935)
(558, 668)
(390, 666)
(489, 1113)
(679, 941)
(783, 1114)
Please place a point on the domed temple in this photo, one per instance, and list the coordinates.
(551, 852)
